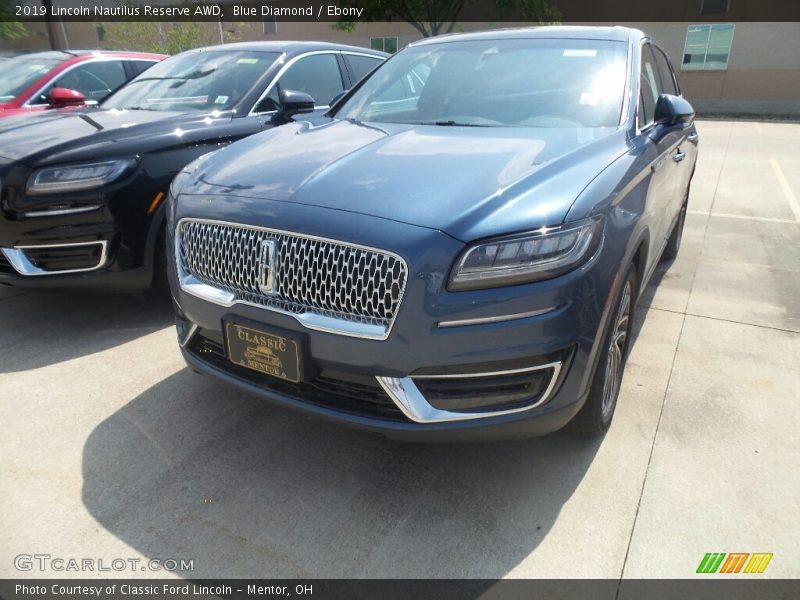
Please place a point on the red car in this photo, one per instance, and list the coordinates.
(42, 80)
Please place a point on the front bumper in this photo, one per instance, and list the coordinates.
(97, 239)
(551, 328)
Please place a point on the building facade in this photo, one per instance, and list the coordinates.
(724, 68)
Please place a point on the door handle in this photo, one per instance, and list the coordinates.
(692, 137)
(678, 156)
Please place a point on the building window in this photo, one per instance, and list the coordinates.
(384, 44)
(708, 47)
(714, 7)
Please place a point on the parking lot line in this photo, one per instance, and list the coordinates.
(787, 190)
(743, 217)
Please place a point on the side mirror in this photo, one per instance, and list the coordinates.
(293, 103)
(673, 110)
(61, 97)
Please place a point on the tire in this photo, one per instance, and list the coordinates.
(160, 282)
(595, 416)
(674, 241)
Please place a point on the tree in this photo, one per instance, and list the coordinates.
(10, 29)
(433, 17)
(166, 38)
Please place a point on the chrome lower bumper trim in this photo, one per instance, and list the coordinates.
(19, 261)
(60, 212)
(189, 335)
(408, 398)
(496, 318)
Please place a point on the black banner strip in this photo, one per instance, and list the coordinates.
(750, 587)
(589, 11)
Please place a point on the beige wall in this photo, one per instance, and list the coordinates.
(763, 74)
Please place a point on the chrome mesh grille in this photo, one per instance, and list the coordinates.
(324, 277)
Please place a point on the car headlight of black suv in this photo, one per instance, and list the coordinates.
(78, 177)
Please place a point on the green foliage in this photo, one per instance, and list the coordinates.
(166, 38)
(539, 11)
(10, 29)
(346, 26)
(433, 17)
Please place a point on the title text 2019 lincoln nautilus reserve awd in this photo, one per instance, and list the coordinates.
(456, 249)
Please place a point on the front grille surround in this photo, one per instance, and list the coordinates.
(326, 284)
(55, 259)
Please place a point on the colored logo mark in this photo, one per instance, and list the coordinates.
(734, 562)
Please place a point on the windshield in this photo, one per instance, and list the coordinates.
(497, 83)
(200, 81)
(21, 72)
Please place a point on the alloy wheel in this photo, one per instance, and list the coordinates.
(616, 352)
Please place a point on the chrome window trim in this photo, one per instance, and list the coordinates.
(75, 66)
(628, 97)
(194, 286)
(411, 402)
(16, 257)
(649, 125)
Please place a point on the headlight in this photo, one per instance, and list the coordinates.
(72, 178)
(541, 254)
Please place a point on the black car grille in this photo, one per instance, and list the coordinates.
(354, 394)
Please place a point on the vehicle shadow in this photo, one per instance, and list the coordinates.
(191, 469)
(38, 329)
(645, 300)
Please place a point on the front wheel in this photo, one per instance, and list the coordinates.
(595, 416)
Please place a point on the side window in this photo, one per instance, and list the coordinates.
(95, 80)
(649, 84)
(399, 95)
(667, 76)
(140, 66)
(361, 65)
(317, 75)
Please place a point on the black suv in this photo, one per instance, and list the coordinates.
(82, 191)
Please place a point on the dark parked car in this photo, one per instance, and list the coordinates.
(458, 251)
(42, 80)
(82, 190)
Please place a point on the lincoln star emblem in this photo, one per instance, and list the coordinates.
(266, 267)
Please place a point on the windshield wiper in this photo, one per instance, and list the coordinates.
(451, 123)
(196, 74)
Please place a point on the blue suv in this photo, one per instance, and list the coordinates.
(455, 249)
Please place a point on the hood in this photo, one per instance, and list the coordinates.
(84, 134)
(461, 180)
